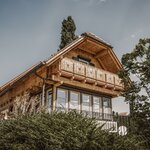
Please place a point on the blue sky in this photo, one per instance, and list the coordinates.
(30, 29)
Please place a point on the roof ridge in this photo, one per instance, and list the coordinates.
(90, 34)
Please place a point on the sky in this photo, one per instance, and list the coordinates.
(30, 29)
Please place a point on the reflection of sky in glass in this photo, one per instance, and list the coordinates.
(61, 98)
(106, 102)
(107, 105)
(96, 104)
(86, 102)
(74, 99)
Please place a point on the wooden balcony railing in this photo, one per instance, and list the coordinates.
(79, 71)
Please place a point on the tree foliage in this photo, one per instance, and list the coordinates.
(137, 89)
(60, 131)
(67, 32)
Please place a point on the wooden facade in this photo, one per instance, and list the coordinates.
(81, 76)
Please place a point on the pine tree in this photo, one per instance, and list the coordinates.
(67, 32)
(137, 92)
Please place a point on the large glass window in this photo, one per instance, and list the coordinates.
(86, 102)
(98, 107)
(62, 98)
(83, 60)
(74, 100)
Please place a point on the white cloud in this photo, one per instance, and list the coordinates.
(90, 2)
(137, 34)
(133, 36)
(102, 0)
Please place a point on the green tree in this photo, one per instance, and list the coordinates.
(137, 89)
(67, 32)
(61, 131)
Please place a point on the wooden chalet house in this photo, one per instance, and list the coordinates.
(81, 76)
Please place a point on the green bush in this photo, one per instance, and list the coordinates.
(60, 131)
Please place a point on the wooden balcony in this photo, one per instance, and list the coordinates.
(79, 71)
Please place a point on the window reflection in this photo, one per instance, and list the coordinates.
(97, 104)
(107, 108)
(62, 96)
(97, 107)
(85, 102)
(106, 102)
(74, 100)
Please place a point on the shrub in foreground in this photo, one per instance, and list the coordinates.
(60, 131)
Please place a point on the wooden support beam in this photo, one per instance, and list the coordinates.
(101, 53)
(87, 50)
(49, 82)
(43, 94)
(101, 64)
(89, 87)
(113, 59)
(54, 97)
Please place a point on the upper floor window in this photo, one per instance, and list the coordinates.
(83, 60)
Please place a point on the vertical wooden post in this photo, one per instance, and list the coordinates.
(43, 94)
(91, 104)
(111, 109)
(54, 97)
(102, 108)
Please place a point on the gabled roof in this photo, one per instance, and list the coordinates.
(91, 35)
(79, 41)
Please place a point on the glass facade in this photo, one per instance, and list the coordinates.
(97, 106)
(90, 104)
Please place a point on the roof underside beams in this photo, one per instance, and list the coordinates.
(103, 53)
